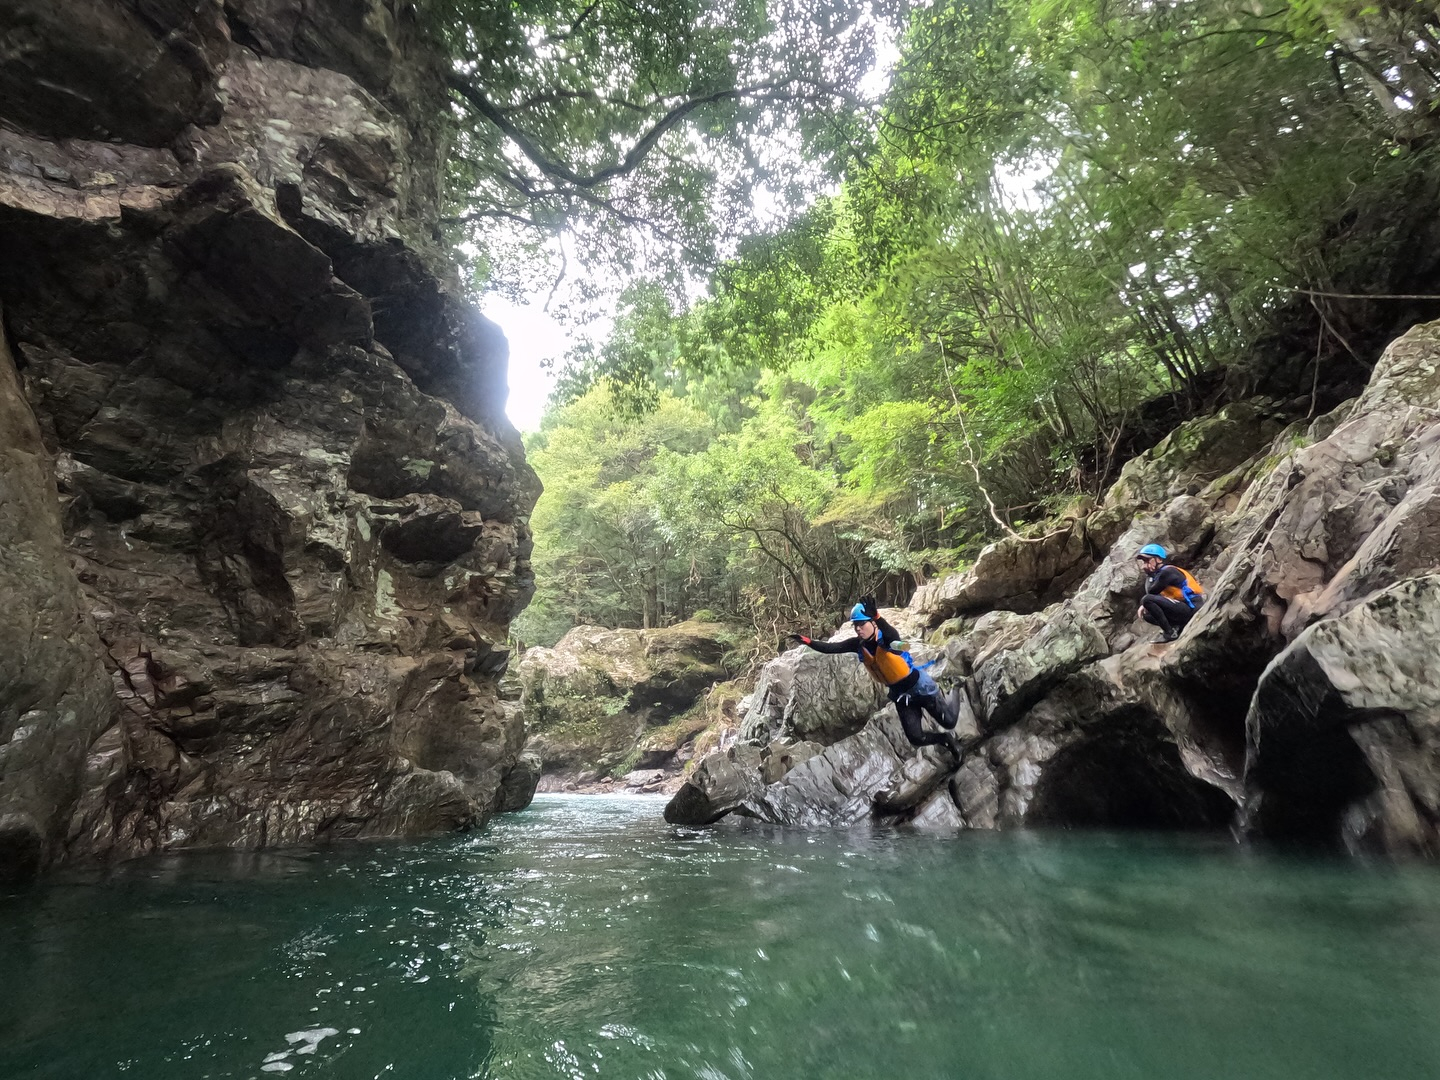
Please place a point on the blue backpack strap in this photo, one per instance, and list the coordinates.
(918, 667)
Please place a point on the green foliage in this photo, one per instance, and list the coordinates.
(599, 553)
(1069, 208)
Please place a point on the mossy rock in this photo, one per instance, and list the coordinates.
(1196, 453)
(602, 698)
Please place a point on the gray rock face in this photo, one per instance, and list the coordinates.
(843, 784)
(296, 514)
(1345, 725)
(802, 694)
(1022, 575)
(1011, 680)
(1300, 700)
(517, 790)
(55, 697)
(874, 771)
(1196, 453)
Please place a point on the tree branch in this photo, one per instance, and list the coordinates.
(550, 97)
(566, 35)
(478, 100)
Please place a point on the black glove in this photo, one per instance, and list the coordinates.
(801, 638)
(868, 603)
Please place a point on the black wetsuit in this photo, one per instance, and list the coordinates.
(1170, 615)
(911, 694)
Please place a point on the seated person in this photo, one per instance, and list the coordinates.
(1172, 595)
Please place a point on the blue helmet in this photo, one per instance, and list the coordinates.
(1153, 549)
(857, 614)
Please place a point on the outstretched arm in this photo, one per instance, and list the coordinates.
(831, 647)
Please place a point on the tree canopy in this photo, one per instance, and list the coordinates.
(641, 131)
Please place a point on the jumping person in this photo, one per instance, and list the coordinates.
(879, 647)
(1171, 594)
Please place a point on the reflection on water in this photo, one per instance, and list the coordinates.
(586, 938)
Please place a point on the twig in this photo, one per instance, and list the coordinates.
(970, 451)
(1362, 296)
(1338, 336)
(564, 264)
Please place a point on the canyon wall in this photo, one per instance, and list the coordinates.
(263, 522)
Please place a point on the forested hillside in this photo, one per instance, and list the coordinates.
(1068, 226)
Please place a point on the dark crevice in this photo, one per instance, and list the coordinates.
(1128, 775)
(1307, 801)
(1306, 769)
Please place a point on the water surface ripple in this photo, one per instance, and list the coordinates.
(586, 938)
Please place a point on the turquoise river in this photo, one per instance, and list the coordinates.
(586, 938)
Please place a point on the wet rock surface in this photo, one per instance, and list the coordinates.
(296, 519)
(1298, 703)
(55, 697)
(723, 782)
(803, 694)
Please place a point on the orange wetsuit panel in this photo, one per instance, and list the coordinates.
(1172, 593)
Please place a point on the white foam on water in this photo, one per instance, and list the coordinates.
(313, 1036)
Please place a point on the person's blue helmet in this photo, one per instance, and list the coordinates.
(857, 614)
(1153, 549)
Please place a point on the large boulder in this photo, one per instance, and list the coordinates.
(1022, 574)
(720, 784)
(1344, 729)
(1196, 453)
(517, 790)
(608, 701)
(873, 772)
(1011, 680)
(803, 694)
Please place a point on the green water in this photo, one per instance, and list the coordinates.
(586, 938)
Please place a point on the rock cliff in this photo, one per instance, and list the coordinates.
(1300, 702)
(263, 521)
